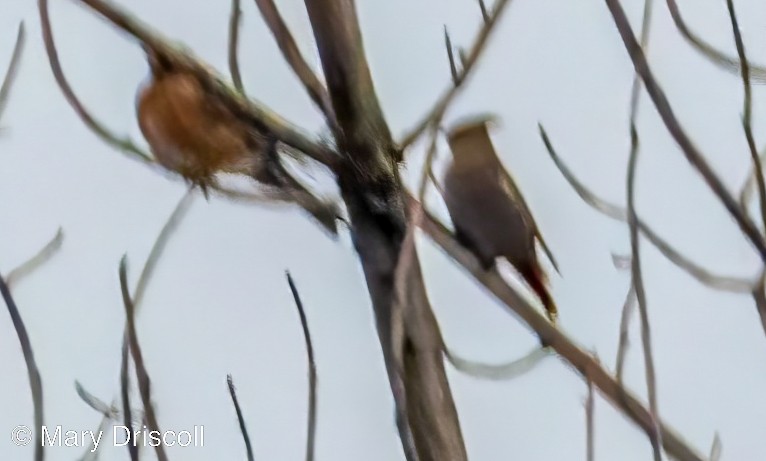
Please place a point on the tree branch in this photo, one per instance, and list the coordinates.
(312, 418)
(234, 22)
(33, 373)
(13, 68)
(42, 256)
(240, 418)
(144, 382)
(707, 278)
(747, 111)
(580, 360)
(690, 151)
(315, 88)
(719, 58)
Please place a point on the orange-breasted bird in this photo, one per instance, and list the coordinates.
(488, 211)
(193, 132)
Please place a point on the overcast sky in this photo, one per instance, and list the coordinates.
(219, 303)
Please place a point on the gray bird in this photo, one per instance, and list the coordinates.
(488, 211)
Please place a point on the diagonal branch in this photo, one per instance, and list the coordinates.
(707, 278)
(315, 88)
(240, 418)
(688, 148)
(469, 63)
(719, 58)
(581, 361)
(13, 68)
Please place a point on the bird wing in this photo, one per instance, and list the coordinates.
(509, 185)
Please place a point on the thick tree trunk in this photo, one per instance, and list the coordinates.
(375, 198)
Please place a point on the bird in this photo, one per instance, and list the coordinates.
(488, 211)
(192, 132)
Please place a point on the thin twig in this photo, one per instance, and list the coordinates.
(35, 382)
(583, 362)
(94, 402)
(42, 256)
(484, 12)
(638, 283)
(590, 429)
(160, 243)
(747, 110)
(125, 145)
(690, 151)
(451, 57)
(500, 371)
(719, 58)
(622, 349)
(707, 278)
(311, 433)
(240, 418)
(646, 24)
(127, 412)
(428, 172)
(13, 68)
(314, 87)
(759, 296)
(441, 105)
(144, 382)
(234, 22)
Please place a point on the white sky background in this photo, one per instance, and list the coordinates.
(219, 302)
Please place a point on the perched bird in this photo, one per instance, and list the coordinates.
(488, 211)
(191, 131)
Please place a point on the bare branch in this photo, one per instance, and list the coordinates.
(160, 243)
(484, 12)
(580, 360)
(314, 87)
(35, 382)
(688, 148)
(707, 278)
(240, 418)
(127, 412)
(42, 256)
(719, 58)
(622, 349)
(94, 402)
(144, 382)
(442, 104)
(590, 430)
(451, 56)
(311, 434)
(234, 22)
(500, 371)
(13, 68)
(747, 111)
(638, 283)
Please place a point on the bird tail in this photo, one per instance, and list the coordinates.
(538, 281)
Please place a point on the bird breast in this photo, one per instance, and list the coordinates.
(190, 131)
